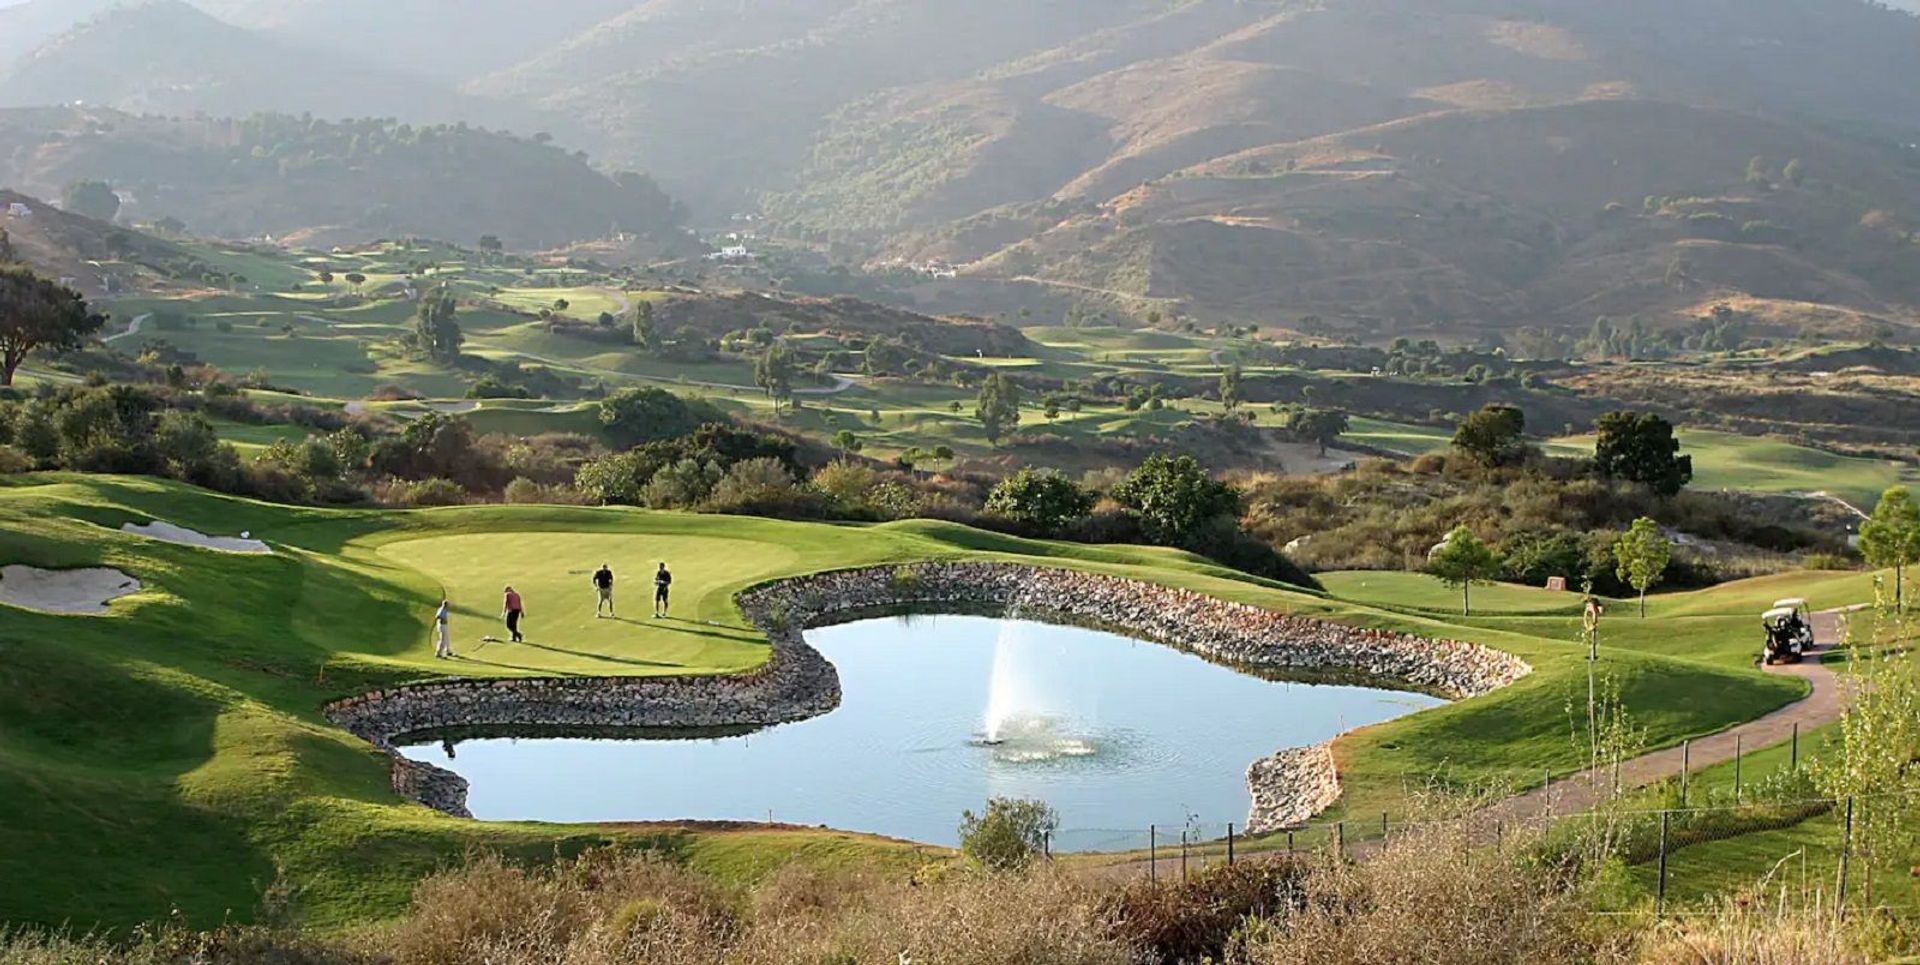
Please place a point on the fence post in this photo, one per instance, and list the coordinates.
(1546, 778)
(1736, 768)
(1183, 856)
(1289, 842)
(1686, 768)
(1383, 826)
(1499, 836)
(1340, 838)
(1153, 852)
(1046, 845)
(1846, 853)
(1229, 844)
(1796, 747)
(1660, 902)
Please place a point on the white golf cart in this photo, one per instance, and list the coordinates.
(1789, 631)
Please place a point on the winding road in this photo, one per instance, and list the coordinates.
(133, 328)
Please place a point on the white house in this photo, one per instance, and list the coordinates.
(19, 210)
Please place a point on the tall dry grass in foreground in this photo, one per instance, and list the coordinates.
(1424, 898)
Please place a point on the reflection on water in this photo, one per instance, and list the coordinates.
(1114, 733)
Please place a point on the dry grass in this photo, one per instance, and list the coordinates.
(1426, 898)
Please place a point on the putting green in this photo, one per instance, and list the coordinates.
(553, 573)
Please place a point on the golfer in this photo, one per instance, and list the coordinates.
(443, 639)
(514, 610)
(662, 582)
(603, 581)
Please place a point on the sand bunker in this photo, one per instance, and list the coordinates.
(167, 532)
(64, 591)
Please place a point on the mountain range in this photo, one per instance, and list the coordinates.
(1387, 164)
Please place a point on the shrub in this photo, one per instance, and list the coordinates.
(1826, 561)
(848, 484)
(435, 492)
(1196, 919)
(1041, 498)
(682, 485)
(763, 487)
(1009, 835)
(14, 461)
(522, 490)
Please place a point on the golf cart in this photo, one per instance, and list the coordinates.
(1789, 632)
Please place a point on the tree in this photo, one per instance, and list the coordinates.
(7, 255)
(93, 199)
(1892, 538)
(1176, 497)
(1321, 426)
(355, 279)
(1641, 447)
(437, 327)
(38, 313)
(636, 415)
(1758, 172)
(1492, 435)
(1041, 497)
(998, 407)
(644, 333)
(1795, 172)
(1462, 561)
(773, 372)
(491, 246)
(846, 441)
(1642, 554)
(1230, 387)
(1009, 835)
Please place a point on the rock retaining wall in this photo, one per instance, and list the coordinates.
(1291, 787)
(798, 683)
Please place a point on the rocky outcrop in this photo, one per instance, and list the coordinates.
(797, 682)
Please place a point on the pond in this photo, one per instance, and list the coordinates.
(938, 715)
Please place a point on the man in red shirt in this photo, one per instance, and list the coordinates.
(514, 610)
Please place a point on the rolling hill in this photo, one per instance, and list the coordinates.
(331, 182)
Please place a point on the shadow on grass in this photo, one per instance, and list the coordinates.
(678, 625)
(584, 655)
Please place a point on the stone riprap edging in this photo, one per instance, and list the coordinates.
(1291, 787)
(798, 683)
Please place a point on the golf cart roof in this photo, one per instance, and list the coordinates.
(1791, 603)
(1778, 613)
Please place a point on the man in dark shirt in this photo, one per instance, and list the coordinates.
(603, 582)
(662, 582)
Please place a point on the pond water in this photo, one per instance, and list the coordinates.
(940, 714)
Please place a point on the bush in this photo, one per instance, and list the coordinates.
(1196, 919)
(522, 490)
(1043, 499)
(1009, 835)
(763, 487)
(682, 485)
(14, 461)
(435, 492)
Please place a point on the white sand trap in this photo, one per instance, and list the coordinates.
(169, 533)
(64, 591)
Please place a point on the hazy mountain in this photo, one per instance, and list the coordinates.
(169, 57)
(25, 26)
(450, 40)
